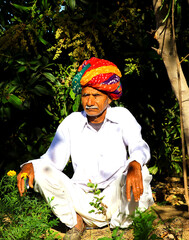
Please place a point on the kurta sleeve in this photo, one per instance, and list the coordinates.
(138, 149)
(59, 151)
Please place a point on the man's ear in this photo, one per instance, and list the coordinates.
(109, 100)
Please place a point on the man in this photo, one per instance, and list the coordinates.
(106, 148)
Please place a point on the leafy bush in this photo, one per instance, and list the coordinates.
(25, 217)
(157, 110)
(168, 154)
(33, 103)
(143, 225)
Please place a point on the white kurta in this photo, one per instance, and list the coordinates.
(99, 156)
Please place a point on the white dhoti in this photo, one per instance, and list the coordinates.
(69, 198)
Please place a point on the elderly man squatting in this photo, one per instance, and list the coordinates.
(106, 148)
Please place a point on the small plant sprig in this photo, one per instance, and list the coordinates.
(101, 208)
(26, 217)
(97, 202)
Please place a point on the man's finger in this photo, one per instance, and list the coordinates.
(31, 178)
(22, 185)
(128, 191)
(141, 185)
(141, 188)
(20, 188)
(136, 192)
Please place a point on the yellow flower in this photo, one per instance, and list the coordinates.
(24, 175)
(11, 173)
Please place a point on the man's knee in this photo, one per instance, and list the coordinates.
(43, 174)
(48, 177)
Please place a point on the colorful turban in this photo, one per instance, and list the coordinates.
(100, 74)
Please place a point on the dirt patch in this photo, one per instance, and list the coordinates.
(171, 209)
(95, 234)
(172, 220)
(171, 223)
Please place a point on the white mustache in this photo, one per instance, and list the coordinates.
(91, 107)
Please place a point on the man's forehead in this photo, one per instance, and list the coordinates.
(90, 90)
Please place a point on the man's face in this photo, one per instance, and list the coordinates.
(94, 102)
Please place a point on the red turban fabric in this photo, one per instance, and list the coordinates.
(100, 74)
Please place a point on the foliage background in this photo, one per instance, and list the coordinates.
(42, 42)
(27, 217)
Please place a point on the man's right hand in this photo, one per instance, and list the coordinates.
(27, 168)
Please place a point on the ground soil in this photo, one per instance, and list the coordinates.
(172, 220)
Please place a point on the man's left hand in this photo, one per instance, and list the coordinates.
(134, 181)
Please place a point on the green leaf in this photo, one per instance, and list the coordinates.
(40, 90)
(5, 112)
(76, 105)
(35, 62)
(29, 148)
(22, 8)
(49, 113)
(43, 40)
(114, 233)
(34, 68)
(91, 211)
(14, 100)
(11, 89)
(91, 185)
(153, 170)
(85, 1)
(22, 69)
(49, 76)
(45, 4)
(72, 94)
(21, 62)
(97, 192)
(4, 100)
(72, 4)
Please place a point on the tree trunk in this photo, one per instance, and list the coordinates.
(168, 51)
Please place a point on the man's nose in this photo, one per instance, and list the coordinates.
(91, 101)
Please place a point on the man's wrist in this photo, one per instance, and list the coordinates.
(27, 168)
(135, 164)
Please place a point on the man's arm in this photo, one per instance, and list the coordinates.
(27, 168)
(134, 181)
(57, 154)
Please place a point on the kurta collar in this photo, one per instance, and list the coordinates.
(110, 116)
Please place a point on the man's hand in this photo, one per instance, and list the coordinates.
(134, 181)
(27, 168)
